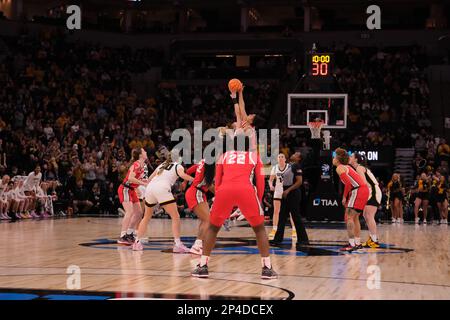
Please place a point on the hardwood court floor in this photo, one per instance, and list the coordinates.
(35, 257)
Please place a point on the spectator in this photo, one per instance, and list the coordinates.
(82, 200)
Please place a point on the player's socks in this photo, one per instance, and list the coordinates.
(271, 234)
(178, 241)
(265, 262)
(357, 241)
(198, 243)
(204, 260)
(374, 237)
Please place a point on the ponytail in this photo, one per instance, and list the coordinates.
(165, 164)
(135, 154)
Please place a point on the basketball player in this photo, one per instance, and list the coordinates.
(30, 187)
(356, 194)
(128, 195)
(158, 191)
(422, 185)
(19, 200)
(277, 175)
(197, 201)
(25, 200)
(358, 162)
(395, 191)
(9, 198)
(45, 200)
(4, 204)
(234, 187)
(141, 195)
(244, 123)
(442, 199)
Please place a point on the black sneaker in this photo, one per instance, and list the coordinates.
(268, 273)
(130, 238)
(349, 248)
(123, 240)
(200, 272)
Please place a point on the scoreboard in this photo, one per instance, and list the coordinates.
(319, 65)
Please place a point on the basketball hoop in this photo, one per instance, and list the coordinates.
(315, 128)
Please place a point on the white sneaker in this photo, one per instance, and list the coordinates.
(181, 248)
(400, 220)
(236, 213)
(394, 220)
(196, 250)
(424, 222)
(416, 221)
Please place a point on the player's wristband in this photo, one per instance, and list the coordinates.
(235, 100)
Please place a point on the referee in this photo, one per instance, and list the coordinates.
(290, 204)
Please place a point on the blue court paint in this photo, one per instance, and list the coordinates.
(73, 297)
(17, 296)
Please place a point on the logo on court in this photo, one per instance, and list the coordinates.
(231, 246)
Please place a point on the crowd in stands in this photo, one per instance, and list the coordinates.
(70, 109)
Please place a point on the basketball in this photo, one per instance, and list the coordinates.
(234, 85)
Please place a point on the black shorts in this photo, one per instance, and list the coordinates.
(440, 198)
(423, 195)
(397, 195)
(373, 202)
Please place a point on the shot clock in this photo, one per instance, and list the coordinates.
(319, 65)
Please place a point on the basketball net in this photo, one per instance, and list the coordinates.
(315, 128)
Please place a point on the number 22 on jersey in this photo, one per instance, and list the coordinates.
(234, 158)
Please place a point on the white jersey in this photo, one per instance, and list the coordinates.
(279, 180)
(32, 181)
(159, 188)
(371, 178)
(168, 176)
(278, 173)
(3, 192)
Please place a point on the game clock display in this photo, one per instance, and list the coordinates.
(319, 65)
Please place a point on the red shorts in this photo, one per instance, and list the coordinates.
(243, 197)
(127, 195)
(194, 197)
(357, 198)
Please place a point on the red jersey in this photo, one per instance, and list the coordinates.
(237, 168)
(199, 178)
(138, 174)
(351, 180)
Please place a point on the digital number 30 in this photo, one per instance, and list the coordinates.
(319, 69)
